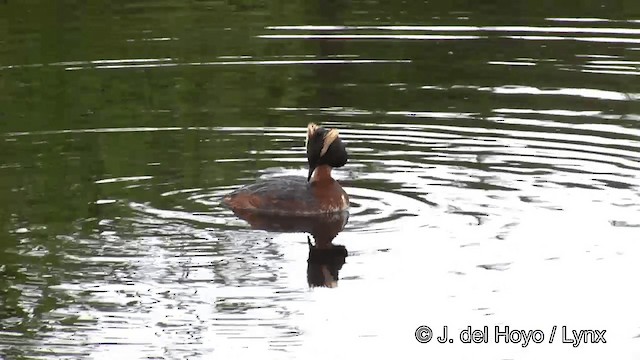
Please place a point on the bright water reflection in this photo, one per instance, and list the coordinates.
(493, 176)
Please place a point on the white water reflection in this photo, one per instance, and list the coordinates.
(247, 62)
(169, 62)
(508, 29)
(575, 38)
(373, 37)
(587, 93)
(512, 63)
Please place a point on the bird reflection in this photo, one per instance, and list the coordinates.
(324, 263)
(325, 259)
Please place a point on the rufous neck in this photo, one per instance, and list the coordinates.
(322, 173)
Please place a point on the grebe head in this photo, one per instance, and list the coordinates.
(324, 147)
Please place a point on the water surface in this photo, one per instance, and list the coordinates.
(495, 154)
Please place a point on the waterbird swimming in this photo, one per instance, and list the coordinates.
(318, 194)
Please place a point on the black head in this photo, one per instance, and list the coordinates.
(324, 147)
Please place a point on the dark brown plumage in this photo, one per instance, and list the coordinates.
(294, 195)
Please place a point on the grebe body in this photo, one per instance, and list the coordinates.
(318, 194)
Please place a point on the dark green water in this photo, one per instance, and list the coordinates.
(495, 157)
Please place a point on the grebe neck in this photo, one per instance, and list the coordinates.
(321, 174)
